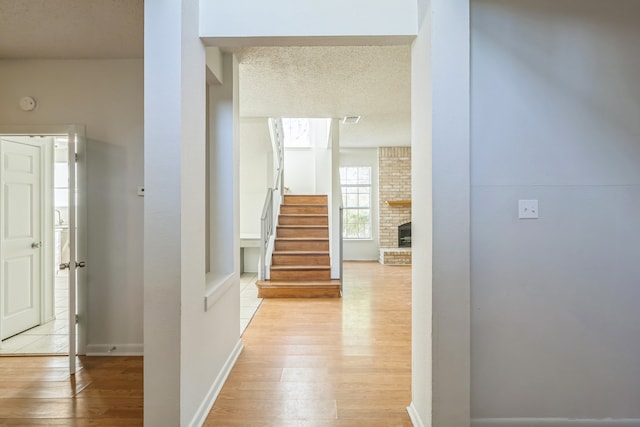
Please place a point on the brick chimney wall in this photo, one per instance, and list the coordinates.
(394, 183)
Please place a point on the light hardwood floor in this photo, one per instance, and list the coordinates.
(326, 362)
(307, 362)
(38, 391)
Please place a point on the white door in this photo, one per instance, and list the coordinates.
(21, 235)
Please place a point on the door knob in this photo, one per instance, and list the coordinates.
(80, 264)
(36, 245)
(64, 266)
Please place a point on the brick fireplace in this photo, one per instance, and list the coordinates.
(394, 183)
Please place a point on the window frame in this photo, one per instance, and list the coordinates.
(368, 225)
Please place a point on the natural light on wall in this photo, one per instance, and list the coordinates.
(297, 133)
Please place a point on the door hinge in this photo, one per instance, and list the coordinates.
(76, 156)
(77, 319)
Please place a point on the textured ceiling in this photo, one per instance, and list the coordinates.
(370, 81)
(71, 29)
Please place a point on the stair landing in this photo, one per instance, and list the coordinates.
(298, 289)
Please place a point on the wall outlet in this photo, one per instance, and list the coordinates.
(527, 209)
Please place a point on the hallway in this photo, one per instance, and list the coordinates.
(326, 362)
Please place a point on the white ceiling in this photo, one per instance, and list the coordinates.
(71, 29)
(332, 81)
(322, 81)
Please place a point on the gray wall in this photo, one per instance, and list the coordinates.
(555, 117)
(106, 97)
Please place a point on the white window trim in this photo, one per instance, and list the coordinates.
(369, 208)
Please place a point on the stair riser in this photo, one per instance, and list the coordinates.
(303, 245)
(308, 209)
(300, 260)
(303, 220)
(299, 293)
(302, 232)
(300, 275)
(292, 199)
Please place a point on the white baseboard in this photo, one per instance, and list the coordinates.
(415, 416)
(115, 350)
(555, 422)
(207, 403)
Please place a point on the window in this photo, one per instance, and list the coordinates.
(356, 201)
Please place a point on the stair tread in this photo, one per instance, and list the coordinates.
(309, 283)
(303, 205)
(303, 226)
(303, 214)
(297, 239)
(300, 252)
(300, 267)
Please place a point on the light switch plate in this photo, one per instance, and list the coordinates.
(528, 209)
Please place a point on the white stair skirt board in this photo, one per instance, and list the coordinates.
(415, 417)
(115, 350)
(205, 407)
(555, 422)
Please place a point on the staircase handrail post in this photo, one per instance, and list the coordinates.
(266, 231)
(341, 209)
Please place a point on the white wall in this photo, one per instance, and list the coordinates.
(440, 120)
(300, 170)
(364, 250)
(105, 96)
(190, 345)
(256, 176)
(555, 108)
(323, 152)
(210, 338)
(245, 20)
(163, 100)
(309, 170)
(421, 226)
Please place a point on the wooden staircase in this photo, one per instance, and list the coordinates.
(300, 265)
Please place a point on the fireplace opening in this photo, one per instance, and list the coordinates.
(404, 235)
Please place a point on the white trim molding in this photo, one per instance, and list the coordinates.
(217, 287)
(207, 403)
(115, 350)
(415, 416)
(555, 422)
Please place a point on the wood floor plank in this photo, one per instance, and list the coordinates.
(307, 363)
(354, 351)
(38, 391)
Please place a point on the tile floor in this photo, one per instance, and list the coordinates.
(49, 338)
(52, 337)
(249, 301)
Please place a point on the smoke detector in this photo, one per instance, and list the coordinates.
(28, 103)
(350, 120)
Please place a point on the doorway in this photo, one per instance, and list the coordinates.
(34, 292)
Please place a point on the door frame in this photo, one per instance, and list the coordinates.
(75, 132)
